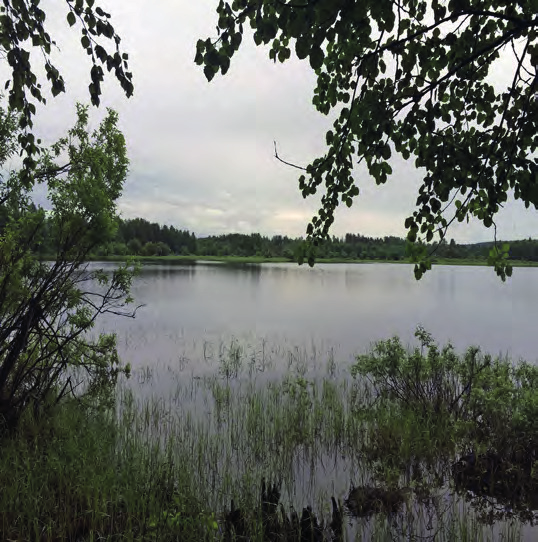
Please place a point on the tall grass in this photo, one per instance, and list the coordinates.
(81, 475)
(169, 468)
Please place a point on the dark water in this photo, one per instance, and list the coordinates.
(341, 308)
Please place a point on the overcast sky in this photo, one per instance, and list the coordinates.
(202, 153)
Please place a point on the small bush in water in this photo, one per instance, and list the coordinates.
(493, 401)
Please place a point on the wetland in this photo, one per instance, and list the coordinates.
(276, 402)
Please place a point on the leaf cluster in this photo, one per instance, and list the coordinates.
(23, 29)
(46, 308)
(411, 78)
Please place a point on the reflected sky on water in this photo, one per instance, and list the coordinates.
(344, 307)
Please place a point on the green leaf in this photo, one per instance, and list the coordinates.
(316, 58)
(302, 48)
(236, 40)
(71, 19)
(212, 58)
(386, 152)
(224, 65)
(209, 72)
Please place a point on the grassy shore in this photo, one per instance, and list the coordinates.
(261, 260)
(432, 445)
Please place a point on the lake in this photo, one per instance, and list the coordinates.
(338, 308)
(229, 360)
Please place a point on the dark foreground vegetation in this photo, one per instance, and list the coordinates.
(438, 446)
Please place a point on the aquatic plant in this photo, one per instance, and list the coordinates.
(337, 449)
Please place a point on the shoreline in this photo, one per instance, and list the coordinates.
(256, 260)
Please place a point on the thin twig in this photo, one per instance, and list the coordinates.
(287, 163)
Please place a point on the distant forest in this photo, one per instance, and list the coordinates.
(139, 237)
(143, 238)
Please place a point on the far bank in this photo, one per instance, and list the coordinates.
(192, 258)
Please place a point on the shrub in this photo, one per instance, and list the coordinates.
(46, 308)
(489, 403)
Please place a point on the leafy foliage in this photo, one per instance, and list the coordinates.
(474, 397)
(46, 308)
(435, 381)
(412, 78)
(23, 29)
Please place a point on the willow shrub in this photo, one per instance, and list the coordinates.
(491, 402)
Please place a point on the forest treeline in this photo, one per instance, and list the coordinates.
(143, 238)
(139, 237)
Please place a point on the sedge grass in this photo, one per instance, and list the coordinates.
(168, 468)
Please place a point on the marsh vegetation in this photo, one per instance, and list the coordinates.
(229, 429)
(414, 444)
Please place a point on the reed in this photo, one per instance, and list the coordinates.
(266, 455)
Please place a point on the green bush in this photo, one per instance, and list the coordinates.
(491, 403)
(47, 308)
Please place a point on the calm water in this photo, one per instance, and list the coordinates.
(339, 308)
(300, 318)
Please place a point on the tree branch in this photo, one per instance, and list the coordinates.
(284, 161)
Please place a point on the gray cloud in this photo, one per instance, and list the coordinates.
(202, 154)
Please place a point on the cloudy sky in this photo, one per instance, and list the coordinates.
(202, 153)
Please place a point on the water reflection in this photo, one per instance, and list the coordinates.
(212, 335)
(237, 418)
(342, 306)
